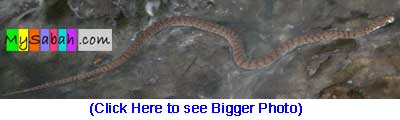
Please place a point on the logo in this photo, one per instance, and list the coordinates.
(62, 40)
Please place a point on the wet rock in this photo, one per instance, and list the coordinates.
(182, 62)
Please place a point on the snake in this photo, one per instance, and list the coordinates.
(238, 51)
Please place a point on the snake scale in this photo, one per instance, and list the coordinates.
(238, 51)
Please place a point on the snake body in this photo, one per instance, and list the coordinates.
(238, 51)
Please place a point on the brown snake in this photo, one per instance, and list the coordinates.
(239, 56)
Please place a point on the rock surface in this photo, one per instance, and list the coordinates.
(184, 62)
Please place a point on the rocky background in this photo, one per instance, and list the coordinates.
(183, 62)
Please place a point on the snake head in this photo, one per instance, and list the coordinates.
(385, 20)
(381, 22)
(389, 19)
